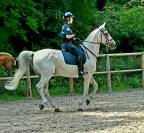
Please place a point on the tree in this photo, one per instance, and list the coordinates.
(17, 18)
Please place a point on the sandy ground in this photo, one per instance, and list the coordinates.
(107, 113)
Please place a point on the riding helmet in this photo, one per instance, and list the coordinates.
(67, 15)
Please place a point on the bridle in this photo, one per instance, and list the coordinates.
(107, 42)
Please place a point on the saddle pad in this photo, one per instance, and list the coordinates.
(69, 58)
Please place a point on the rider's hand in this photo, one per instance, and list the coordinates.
(74, 35)
(76, 41)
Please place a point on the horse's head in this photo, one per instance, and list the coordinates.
(105, 37)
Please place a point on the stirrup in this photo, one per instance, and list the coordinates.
(81, 73)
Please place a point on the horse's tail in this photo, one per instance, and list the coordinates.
(24, 60)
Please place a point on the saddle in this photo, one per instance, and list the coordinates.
(72, 59)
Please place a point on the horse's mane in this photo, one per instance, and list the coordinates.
(4, 53)
(92, 34)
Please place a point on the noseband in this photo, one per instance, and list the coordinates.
(107, 40)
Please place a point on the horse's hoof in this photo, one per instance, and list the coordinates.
(41, 106)
(80, 110)
(87, 102)
(57, 110)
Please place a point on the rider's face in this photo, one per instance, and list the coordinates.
(70, 20)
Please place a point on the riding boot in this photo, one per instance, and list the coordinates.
(80, 72)
(80, 69)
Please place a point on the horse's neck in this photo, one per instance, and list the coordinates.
(94, 48)
(92, 44)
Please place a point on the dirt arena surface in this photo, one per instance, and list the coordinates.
(108, 113)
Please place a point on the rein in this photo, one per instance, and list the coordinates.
(91, 42)
(89, 50)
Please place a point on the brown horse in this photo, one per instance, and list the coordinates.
(7, 61)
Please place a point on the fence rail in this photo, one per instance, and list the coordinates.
(108, 71)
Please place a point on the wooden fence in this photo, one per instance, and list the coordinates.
(108, 71)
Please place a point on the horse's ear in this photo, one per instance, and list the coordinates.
(104, 24)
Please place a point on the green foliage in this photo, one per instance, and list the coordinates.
(21, 91)
(128, 62)
(32, 23)
(128, 20)
(15, 17)
(124, 26)
(122, 82)
(131, 28)
(57, 87)
(42, 21)
(121, 2)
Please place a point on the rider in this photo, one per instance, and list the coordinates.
(69, 40)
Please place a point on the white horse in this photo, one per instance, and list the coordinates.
(49, 62)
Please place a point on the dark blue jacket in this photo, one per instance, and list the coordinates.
(66, 30)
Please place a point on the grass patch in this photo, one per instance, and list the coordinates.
(9, 97)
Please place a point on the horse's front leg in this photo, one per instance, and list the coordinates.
(87, 79)
(95, 85)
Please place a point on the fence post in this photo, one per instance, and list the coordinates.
(108, 73)
(143, 69)
(71, 86)
(29, 91)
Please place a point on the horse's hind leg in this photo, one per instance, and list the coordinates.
(95, 85)
(46, 92)
(40, 87)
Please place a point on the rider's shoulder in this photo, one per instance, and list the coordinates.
(66, 27)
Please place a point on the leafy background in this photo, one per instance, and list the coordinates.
(32, 24)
